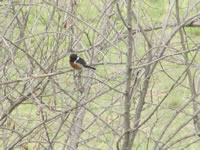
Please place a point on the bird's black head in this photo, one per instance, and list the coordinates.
(73, 57)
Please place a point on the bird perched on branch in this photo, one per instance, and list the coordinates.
(78, 63)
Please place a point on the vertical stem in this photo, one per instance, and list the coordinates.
(145, 86)
(4, 139)
(127, 103)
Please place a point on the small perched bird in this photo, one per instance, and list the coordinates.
(78, 63)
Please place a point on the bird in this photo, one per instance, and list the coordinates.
(78, 63)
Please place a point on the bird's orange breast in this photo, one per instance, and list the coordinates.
(75, 66)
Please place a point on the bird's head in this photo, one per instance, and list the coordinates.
(73, 57)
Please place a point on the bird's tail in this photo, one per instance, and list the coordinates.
(86, 66)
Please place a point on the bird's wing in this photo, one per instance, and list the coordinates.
(81, 61)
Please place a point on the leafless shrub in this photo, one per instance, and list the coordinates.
(143, 95)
